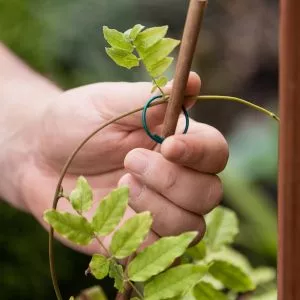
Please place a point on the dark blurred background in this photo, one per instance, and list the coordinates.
(236, 55)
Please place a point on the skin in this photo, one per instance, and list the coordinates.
(41, 126)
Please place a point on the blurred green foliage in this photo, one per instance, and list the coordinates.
(250, 186)
(62, 40)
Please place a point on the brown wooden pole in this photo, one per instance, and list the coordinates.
(184, 62)
(289, 158)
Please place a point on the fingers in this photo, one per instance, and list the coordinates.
(191, 190)
(203, 149)
(168, 219)
(193, 85)
(192, 89)
(111, 99)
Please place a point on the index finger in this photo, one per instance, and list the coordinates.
(203, 149)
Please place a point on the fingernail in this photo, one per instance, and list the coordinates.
(174, 148)
(135, 188)
(180, 148)
(136, 161)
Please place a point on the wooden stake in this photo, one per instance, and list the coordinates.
(186, 53)
(289, 158)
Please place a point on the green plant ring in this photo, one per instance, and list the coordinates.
(158, 139)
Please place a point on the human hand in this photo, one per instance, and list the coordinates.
(176, 182)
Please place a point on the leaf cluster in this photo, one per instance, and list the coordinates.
(229, 273)
(139, 45)
(150, 266)
(209, 270)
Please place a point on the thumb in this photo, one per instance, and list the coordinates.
(114, 98)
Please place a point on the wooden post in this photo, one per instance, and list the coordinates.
(184, 62)
(289, 158)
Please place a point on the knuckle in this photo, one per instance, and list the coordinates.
(223, 154)
(196, 155)
(201, 229)
(215, 194)
(222, 150)
(170, 180)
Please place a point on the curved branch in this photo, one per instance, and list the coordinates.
(64, 170)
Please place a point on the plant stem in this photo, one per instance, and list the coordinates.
(102, 245)
(188, 45)
(128, 288)
(160, 89)
(239, 100)
(52, 266)
(95, 236)
(64, 170)
(108, 254)
(136, 290)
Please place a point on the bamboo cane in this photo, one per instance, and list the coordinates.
(188, 45)
(289, 148)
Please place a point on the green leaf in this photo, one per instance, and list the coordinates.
(99, 266)
(92, 293)
(158, 256)
(174, 281)
(232, 256)
(82, 196)
(72, 298)
(135, 31)
(213, 281)
(159, 51)
(149, 37)
(117, 39)
(160, 67)
(206, 291)
(110, 211)
(185, 296)
(122, 58)
(128, 238)
(263, 275)
(222, 227)
(135, 298)
(159, 82)
(231, 276)
(269, 295)
(198, 252)
(75, 228)
(117, 273)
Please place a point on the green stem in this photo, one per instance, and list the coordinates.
(110, 257)
(96, 237)
(102, 245)
(239, 100)
(136, 290)
(160, 89)
(65, 168)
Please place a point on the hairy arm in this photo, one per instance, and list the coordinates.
(24, 95)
